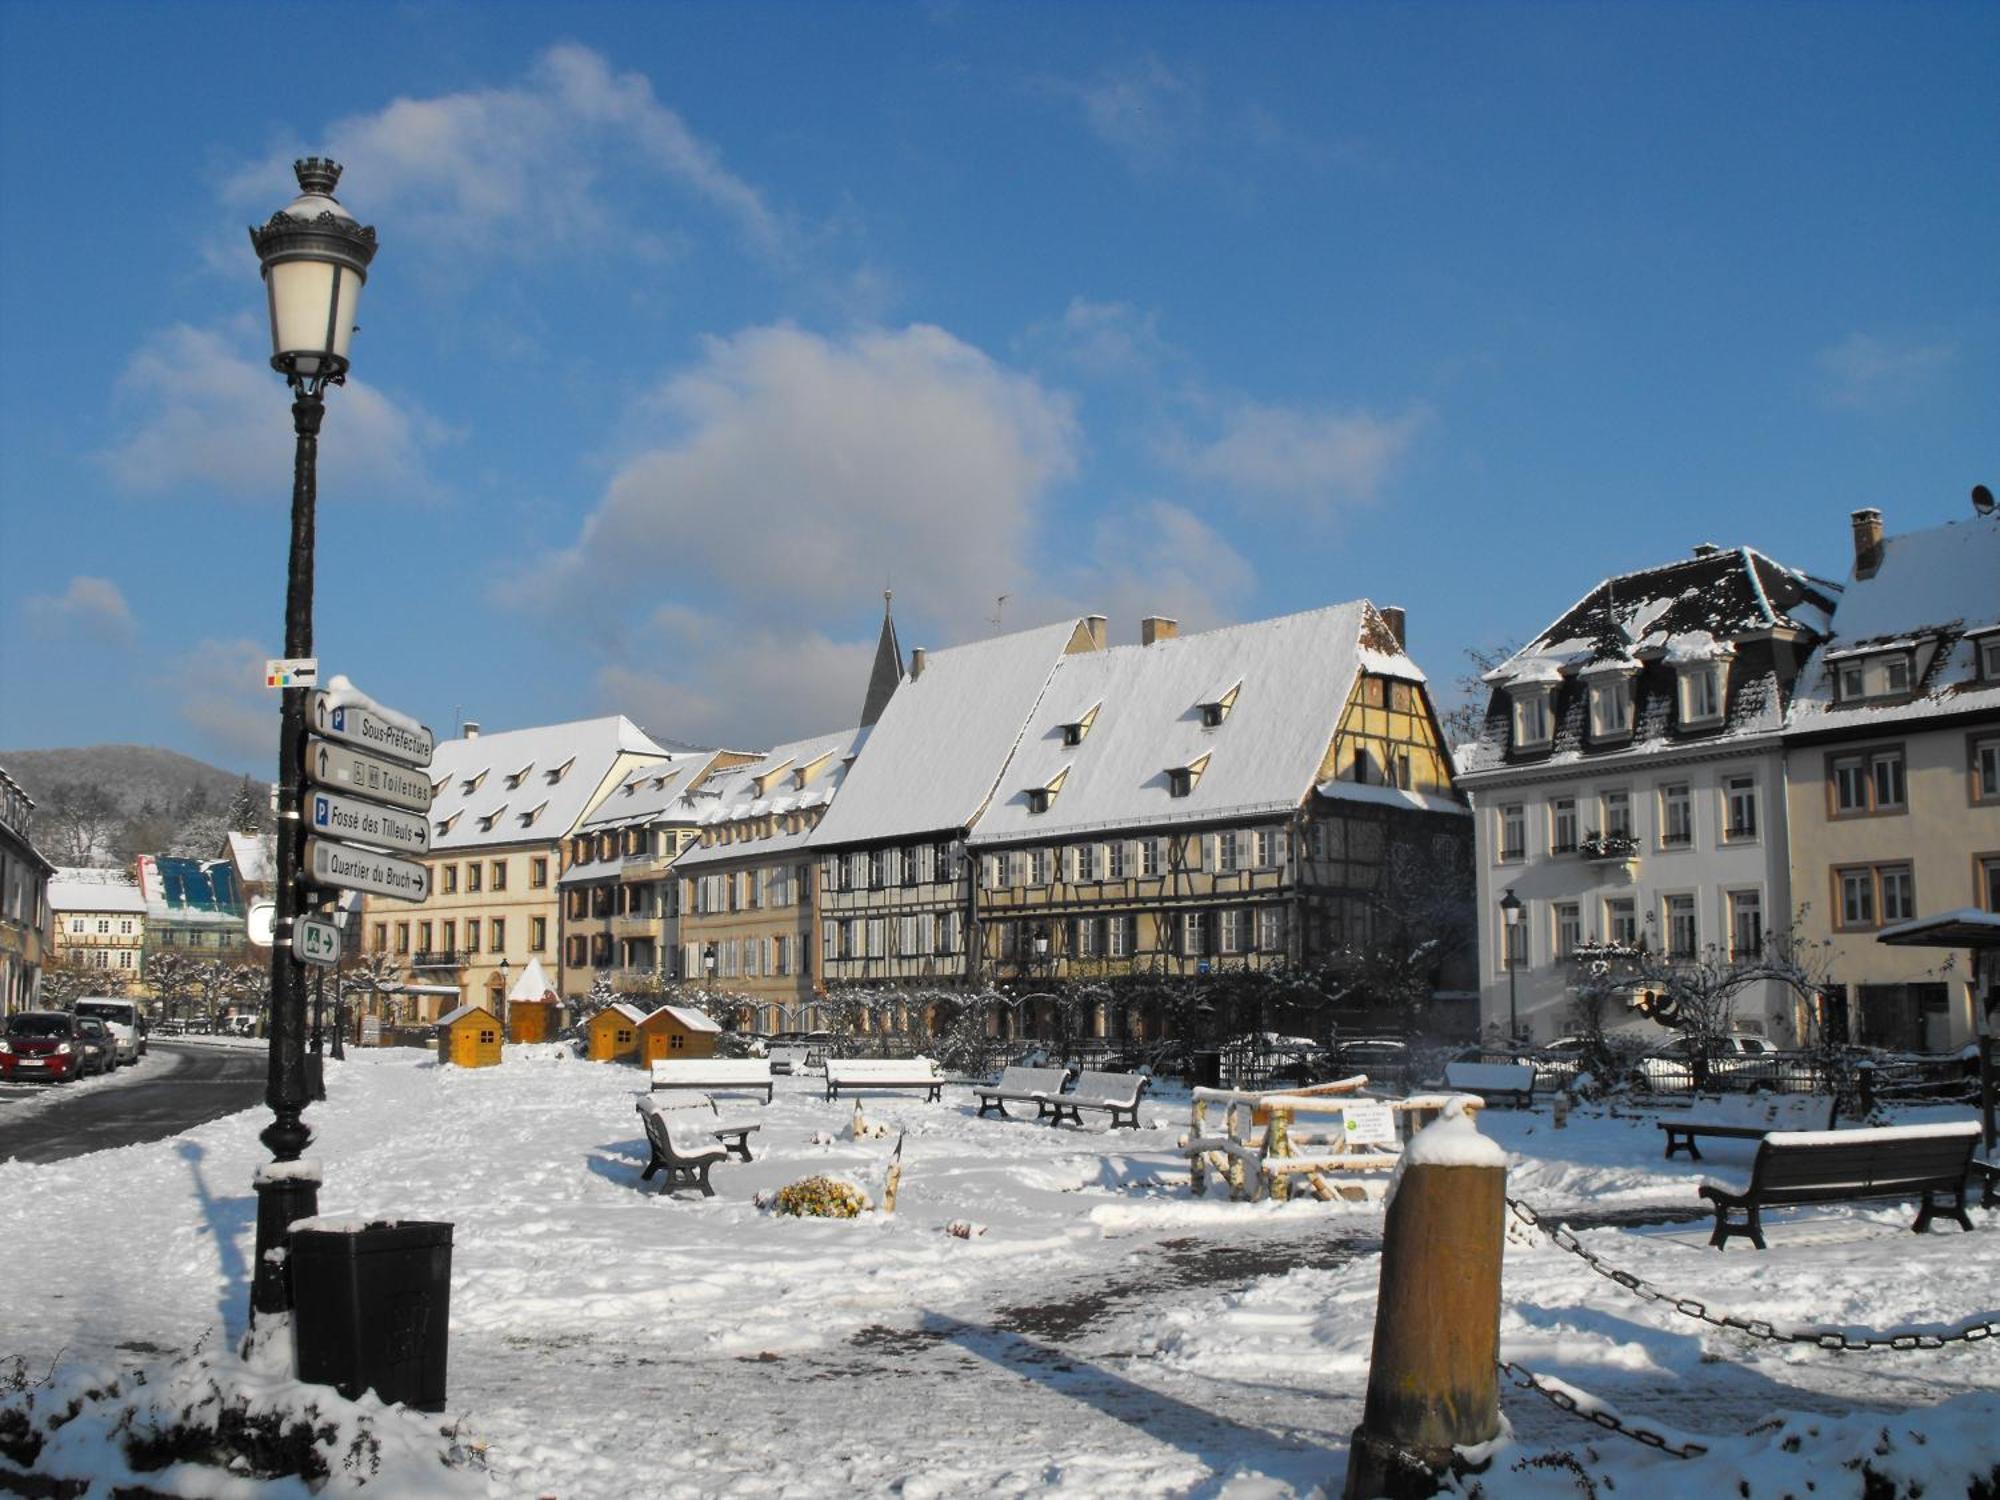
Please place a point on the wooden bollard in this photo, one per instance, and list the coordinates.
(1433, 1382)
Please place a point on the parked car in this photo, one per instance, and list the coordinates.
(124, 1019)
(51, 1044)
(1671, 1065)
(100, 1045)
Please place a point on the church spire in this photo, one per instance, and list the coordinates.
(888, 668)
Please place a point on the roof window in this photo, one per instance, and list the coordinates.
(486, 823)
(471, 784)
(1610, 706)
(1217, 708)
(444, 824)
(1181, 780)
(1073, 733)
(1701, 693)
(1039, 797)
(1858, 677)
(528, 817)
(557, 773)
(1534, 721)
(515, 779)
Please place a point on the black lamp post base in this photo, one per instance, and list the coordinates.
(282, 1200)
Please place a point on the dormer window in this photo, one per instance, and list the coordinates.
(1881, 674)
(1610, 706)
(557, 773)
(520, 776)
(1988, 648)
(444, 825)
(528, 817)
(1701, 694)
(1039, 797)
(486, 823)
(471, 784)
(1534, 723)
(1217, 709)
(1181, 779)
(1073, 733)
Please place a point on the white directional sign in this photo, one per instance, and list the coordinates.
(349, 770)
(350, 869)
(316, 942)
(343, 712)
(357, 822)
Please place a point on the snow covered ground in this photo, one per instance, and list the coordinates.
(1098, 1333)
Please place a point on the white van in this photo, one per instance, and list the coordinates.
(122, 1018)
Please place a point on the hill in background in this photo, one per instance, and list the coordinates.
(106, 804)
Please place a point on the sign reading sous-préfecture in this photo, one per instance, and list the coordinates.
(357, 822)
(348, 770)
(343, 712)
(351, 869)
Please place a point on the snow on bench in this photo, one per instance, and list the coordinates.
(880, 1074)
(1489, 1080)
(700, 1113)
(685, 1156)
(1320, 1134)
(1036, 1086)
(1927, 1162)
(715, 1075)
(1117, 1094)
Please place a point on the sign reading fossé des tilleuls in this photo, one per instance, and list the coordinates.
(348, 770)
(359, 822)
(343, 712)
(351, 869)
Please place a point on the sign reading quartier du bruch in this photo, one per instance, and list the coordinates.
(341, 711)
(359, 822)
(351, 869)
(344, 769)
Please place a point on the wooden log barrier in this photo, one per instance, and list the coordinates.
(1433, 1383)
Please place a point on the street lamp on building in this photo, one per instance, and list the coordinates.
(314, 258)
(1510, 911)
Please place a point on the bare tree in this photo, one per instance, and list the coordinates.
(1463, 722)
(75, 822)
(171, 976)
(373, 981)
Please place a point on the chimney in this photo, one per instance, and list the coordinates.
(1867, 542)
(1392, 616)
(916, 662)
(1705, 549)
(472, 729)
(1157, 628)
(1095, 625)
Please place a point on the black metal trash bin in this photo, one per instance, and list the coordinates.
(1207, 1069)
(371, 1309)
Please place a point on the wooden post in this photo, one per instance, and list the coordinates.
(1433, 1382)
(1278, 1142)
(1198, 1159)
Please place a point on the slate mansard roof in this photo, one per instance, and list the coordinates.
(525, 784)
(933, 758)
(1282, 684)
(1936, 591)
(1734, 604)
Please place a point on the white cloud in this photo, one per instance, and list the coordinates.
(207, 413)
(524, 170)
(1865, 371)
(93, 609)
(797, 473)
(755, 689)
(219, 688)
(1144, 110)
(1321, 458)
(1105, 340)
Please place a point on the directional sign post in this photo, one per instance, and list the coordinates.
(342, 769)
(315, 941)
(351, 869)
(343, 712)
(355, 821)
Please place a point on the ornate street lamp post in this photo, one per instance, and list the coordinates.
(1510, 909)
(314, 258)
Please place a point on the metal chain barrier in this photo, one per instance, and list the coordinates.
(1564, 1396)
(1969, 1331)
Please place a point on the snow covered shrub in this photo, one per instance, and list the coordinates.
(822, 1198)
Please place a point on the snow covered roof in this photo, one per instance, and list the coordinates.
(800, 777)
(1391, 796)
(686, 1019)
(1932, 590)
(1967, 927)
(655, 792)
(944, 737)
(255, 856)
(473, 1009)
(626, 1009)
(1718, 606)
(1278, 688)
(526, 784)
(69, 894)
(533, 983)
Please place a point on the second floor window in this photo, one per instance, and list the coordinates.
(1618, 813)
(1513, 831)
(1986, 769)
(1746, 924)
(1739, 809)
(538, 872)
(1676, 816)
(1682, 937)
(1569, 927)
(1867, 782)
(1621, 922)
(1562, 825)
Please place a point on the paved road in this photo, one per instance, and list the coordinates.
(175, 1086)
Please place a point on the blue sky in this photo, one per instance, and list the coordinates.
(693, 328)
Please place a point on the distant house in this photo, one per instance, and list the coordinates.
(26, 943)
(1628, 784)
(99, 922)
(534, 1009)
(1892, 773)
(194, 907)
(469, 1037)
(612, 1035)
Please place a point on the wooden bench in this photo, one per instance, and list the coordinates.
(1515, 1082)
(881, 1074)
(1036, 1086)
(701, 1115)
(1117, 1094)
(715, 1075)
(1681, 1134)
(1842, 1166)
(685, 1161)
(1325, 1135)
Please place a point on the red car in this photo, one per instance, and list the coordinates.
(50, 1044)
